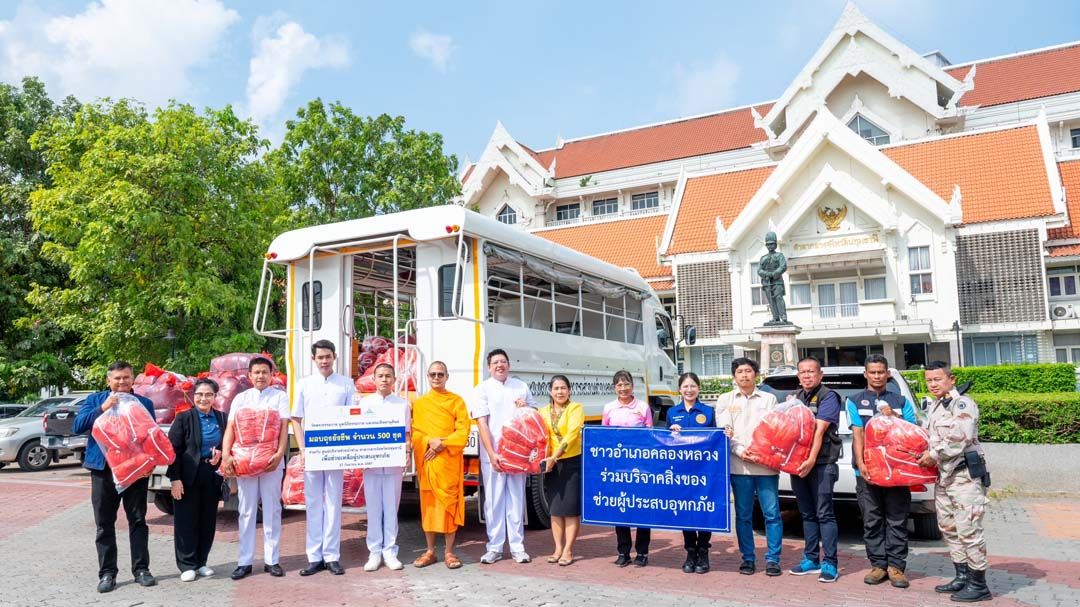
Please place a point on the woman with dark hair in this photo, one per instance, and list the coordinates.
(562, 483)
(692, 413)
(628, 411)
(196, 487)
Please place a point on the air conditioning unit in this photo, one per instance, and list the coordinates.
(1063, 311)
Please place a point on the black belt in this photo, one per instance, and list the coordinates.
(206, 460)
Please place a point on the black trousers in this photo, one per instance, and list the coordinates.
(814, 496)
(641, 544)
(885, 513)
(693, 540)
(195, 519)
(106, 502)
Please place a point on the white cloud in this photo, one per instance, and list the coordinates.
(116, 48)
(436, 48)
(284, 52)
(703, 87)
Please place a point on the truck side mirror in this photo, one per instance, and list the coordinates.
(690, 335)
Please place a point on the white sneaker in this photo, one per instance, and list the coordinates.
(520, 557)
(373, 562)
(188, 576)
(392, 562)
(204, 571)
(490, 557)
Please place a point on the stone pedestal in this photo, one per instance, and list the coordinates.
(778, 346)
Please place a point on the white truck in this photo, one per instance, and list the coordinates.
(449, 284)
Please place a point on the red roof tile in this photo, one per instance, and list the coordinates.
(1065, 251)
(705, 198)
(1070, 179)
(1001, 174)
(661, 286)
(1052, 72)
(630, 243)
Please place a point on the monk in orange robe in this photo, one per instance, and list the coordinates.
(440, 431)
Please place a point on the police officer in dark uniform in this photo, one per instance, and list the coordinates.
(692, 413)
(884, 509)
(813, 485)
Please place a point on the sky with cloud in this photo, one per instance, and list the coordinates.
(545, 70)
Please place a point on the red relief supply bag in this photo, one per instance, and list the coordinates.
(257, 431)
(353, 489)
(252, 460)
(892, 450)
(237, 362)
(131, 441)
(404, 370)
(292, 489)
(523, 444)
(783, 438)
(230, 385)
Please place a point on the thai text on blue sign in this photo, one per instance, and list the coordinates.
(343, 438)
(655, 478)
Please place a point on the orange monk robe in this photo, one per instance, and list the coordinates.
(441, 414)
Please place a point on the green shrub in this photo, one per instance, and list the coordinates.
(715, 385)
(1029, 418)
(1041, 378)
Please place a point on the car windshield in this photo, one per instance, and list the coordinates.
(41, 407)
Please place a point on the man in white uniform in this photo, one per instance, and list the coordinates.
(322, 488)
(265, 487)
(382, 485)
(492, 405)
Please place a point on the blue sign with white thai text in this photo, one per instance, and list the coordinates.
(655, 478)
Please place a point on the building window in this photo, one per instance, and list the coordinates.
(1002, 350)
(507, 215)
(868, 130)
(922, 282)
(800, 294)
(1074, 134)
(607, 206)
(564, 212)
(830, 307)
(717, 361)
(1061, 282)
(757, 297)
(874, 288)
(648, 200)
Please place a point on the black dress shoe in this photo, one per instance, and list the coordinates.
(702, 564)
(241, 572)
(747, 568)
(144, 578)
(335, 567)
(691, 560)
(274, 570)
(772, 569)
(313, 568)
(107, 583)
(623, 560)
(641, 560)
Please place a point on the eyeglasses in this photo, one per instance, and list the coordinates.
(436, 374)
(204, 395)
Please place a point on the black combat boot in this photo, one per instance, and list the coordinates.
(691, 560)
(975, 590)
(702, 565)
(957, 584)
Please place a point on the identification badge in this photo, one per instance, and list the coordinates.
(700, 418)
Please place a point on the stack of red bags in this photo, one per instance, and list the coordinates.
(404, 371)
(292, 490)
(230, 371)
(892, 449)
(353, 492)
(370, 350)
(523, 445)
(170, 392)
(782, 440)
(257, 431)
(132, 442)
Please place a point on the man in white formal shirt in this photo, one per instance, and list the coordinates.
(382, 485)
(322, 488)
(492, 405)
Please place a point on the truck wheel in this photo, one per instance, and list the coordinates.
(536, 503)
(34, 457)
(926, 526)
(164, 502)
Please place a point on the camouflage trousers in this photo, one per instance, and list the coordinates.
(961, 503)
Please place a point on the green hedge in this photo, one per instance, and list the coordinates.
(715, 385)
(1029, 418)
(1042, 378)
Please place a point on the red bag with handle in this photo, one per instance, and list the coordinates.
(892, 450)
(130, 440)
(523, 444)
(292, 489)
(783, 438)
(257, 431)
(353, 490)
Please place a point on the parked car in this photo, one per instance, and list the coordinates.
(59, 421)
(847, 381)
(22, 436)
(11, 409)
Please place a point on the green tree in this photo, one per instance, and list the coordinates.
(334, 165)
(33, 352)
(162, 220)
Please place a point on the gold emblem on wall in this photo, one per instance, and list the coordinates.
(832, 217)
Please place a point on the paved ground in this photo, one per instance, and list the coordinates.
(46, 539)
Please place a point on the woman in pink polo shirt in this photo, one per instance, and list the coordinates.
(627, 411)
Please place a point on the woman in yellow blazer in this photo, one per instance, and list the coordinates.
(562, 481)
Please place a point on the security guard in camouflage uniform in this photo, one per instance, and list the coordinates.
(953, 425)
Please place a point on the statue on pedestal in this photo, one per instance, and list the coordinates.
(771, 268)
